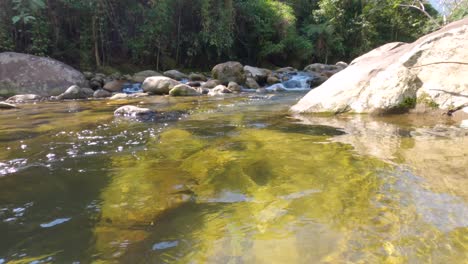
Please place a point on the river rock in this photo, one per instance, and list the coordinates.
(234, 87)
(141, 76)
(175, 74)
(194, 84)
(341, 64)
(317, 80)
(133, 111)
(219, 90)
(158, 85)
(75, 92)
(96, 83)
(230, 71)
(4, 105)
(260, 75)
(88, 75)
(29, 74)
(183, 90)
(323, 68)
(101, 93)
(22, 98)
(211, 84)
(261, 91)
(397, 75)
(197, 77)
(119, 96)
(114, 86)
(203, 90)
(272, 80)
(251, 83)
(286, 70)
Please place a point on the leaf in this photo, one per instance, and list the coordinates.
(39, 4)
(28, 18)
(15, 19)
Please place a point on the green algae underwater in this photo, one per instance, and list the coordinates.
(226, 180)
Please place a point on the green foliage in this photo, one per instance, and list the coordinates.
(6, 42)
(40, 41)
(408, 103)
(217, 19)
(199, 33)
(26, 9)
(460, 11)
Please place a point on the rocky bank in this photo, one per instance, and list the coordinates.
(429, 73)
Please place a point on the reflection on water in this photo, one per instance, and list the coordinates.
(237, 180)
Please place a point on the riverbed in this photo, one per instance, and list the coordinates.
(234, 179)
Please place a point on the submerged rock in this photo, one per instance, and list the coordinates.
(134, 111)
(397, 76)
(22, 98)
(183, 90)
(230, 71)
(29, 74)
(4, 105)
(158, 85)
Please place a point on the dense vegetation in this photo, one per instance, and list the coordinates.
(198, 33)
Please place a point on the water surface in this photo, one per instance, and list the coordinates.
(229, 180)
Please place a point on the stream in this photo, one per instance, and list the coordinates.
(233, 179)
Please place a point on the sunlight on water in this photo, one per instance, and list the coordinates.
(232, 180)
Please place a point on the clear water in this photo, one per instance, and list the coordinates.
(228, 180)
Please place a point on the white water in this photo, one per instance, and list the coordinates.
(297, 82)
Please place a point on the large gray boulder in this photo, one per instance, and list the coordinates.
(431, 71)
(158, 85)
(230, 71)
(29, 74)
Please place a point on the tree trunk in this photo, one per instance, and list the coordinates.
(96, 43)
(178, 35)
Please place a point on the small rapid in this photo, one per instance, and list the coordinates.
(292, 82)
